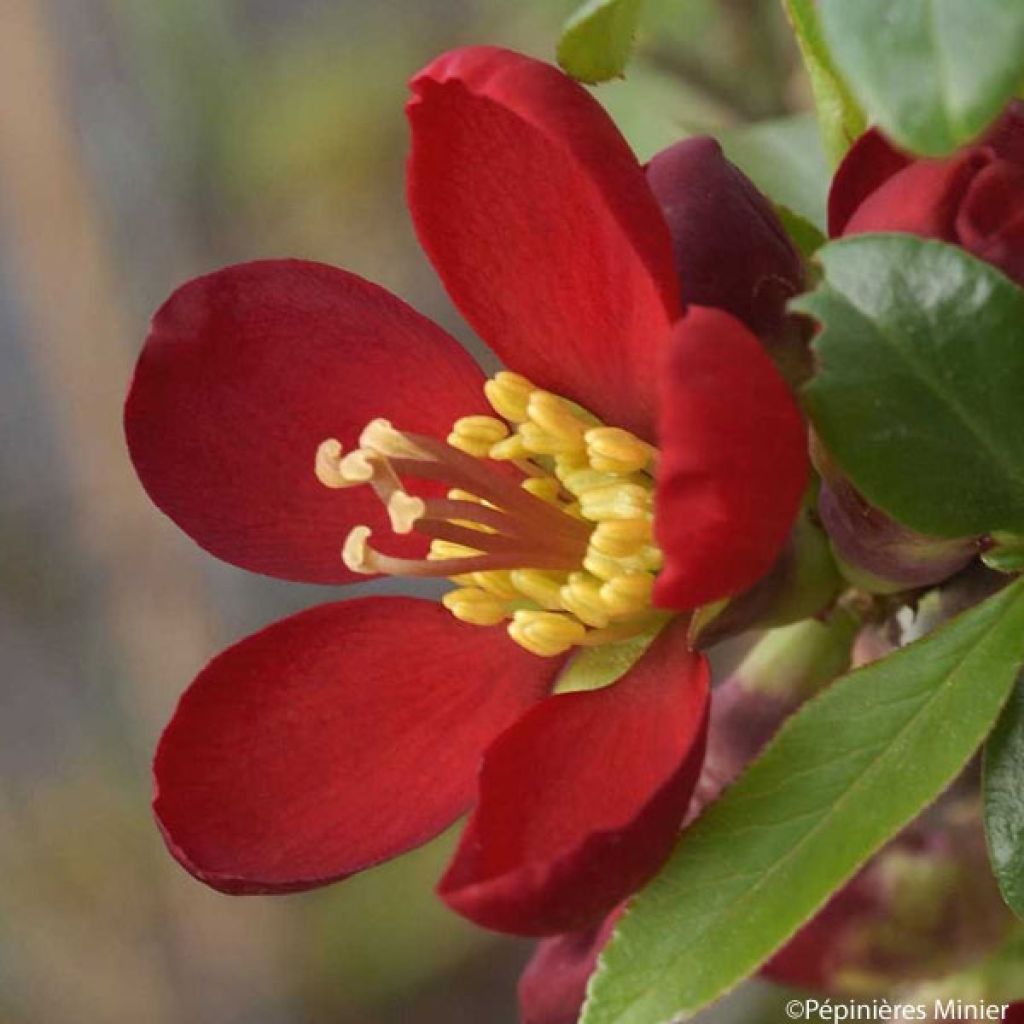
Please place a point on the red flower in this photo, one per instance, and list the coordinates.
(352, 732)
(974, 198)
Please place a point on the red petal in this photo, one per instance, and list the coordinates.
(922, 199)
(870, 161)
(581, 800)
(554, 984)
(539, 221)
(733, 462)
(333, 740)
(990, 222)
(246, 371)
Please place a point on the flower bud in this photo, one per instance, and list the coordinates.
(878, 554)
(731, 250)
(974, 198)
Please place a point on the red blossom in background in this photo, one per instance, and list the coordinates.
(352, 732)
(974, 198)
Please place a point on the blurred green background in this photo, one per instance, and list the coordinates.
(143, 142)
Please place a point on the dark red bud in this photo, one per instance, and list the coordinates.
(875, 552)
(880, 554)
(731, 250)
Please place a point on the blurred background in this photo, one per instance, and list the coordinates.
(143, 142)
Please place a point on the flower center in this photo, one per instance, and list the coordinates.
(546, 524)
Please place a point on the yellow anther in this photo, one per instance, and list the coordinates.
(328, 464)
(619, 501)
(539, 441)
(629, 593)
(582, 596)
(555, 417)
(547, 488)
(496, 582)
(509, 394)
(475, 606)
(404, 510)
(612, 450)
(652, 558)
(570, 462)
(475, 435)
(357, 467)
(381, 437)
(584, 479)
(356, 551)
(602, 566)
(619, 538)
(510, 449)
(447, 549)
(540, 587)
(545, 633)
(457, 494)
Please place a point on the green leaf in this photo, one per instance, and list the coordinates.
(1006, 553)
(1003, 789)
(842, 777)
(806, 237)
(598, 39)
(839, 116)
(933, 73)
(920, 382)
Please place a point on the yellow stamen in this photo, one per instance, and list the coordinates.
(612, 450)
(404, 510)
(582, 596)
(546, 633)
(475, 606)
(380, 436)
(565, 552)
(356, 468)
(476, 435)
(328, 464)
(539, 441)
(620, 538)
(546, 488)
(356, 552)
(555, 419)
(580, 481)
(543, 588)
(628, 593)
(618, 501)
(510, 449)
(509, 394)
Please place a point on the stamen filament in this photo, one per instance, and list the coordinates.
(373, 562)
(464, 471)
